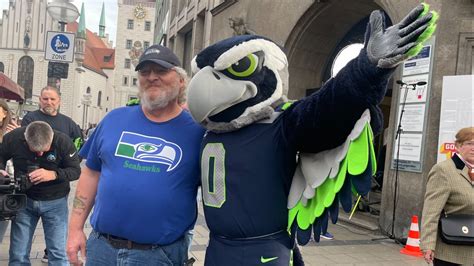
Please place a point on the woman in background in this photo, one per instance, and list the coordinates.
(7, 125)
(450, 189)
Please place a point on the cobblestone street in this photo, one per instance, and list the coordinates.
(350, 246)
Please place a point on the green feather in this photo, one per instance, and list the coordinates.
(321, 193)
(304, 215)
(373, 158)
(341, 176)
(292, 214)
(358, 154)
(330, 185)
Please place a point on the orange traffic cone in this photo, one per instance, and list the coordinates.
(412, 247)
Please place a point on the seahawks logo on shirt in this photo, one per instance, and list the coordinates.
(51, 157)
(148, 149)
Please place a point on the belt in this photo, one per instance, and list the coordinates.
(121, 243)
(274, 235)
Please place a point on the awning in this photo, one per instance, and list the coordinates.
(10, 90)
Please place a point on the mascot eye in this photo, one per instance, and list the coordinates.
(246, 66)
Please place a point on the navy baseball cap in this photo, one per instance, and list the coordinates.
(160, 55)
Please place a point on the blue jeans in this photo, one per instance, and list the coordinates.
(100, 252)
(3, 229)
(54, 216)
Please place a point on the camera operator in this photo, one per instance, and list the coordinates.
(47, 161)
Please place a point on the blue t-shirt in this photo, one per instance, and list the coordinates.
(149, 174)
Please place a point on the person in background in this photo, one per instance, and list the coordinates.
(7, 124)
(144, 155)
(47, 160)
(450, 190)
(49, 102)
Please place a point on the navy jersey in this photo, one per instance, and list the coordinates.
(246, 177)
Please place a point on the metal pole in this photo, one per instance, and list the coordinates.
(83, 115)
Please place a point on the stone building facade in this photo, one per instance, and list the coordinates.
(23, 29)
(313, 32)
(135, 27)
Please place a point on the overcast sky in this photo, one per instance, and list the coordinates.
(92, 10)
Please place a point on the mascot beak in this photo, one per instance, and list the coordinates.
(210, 92)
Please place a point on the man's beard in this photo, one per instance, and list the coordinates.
(160, 101)
(49, 110)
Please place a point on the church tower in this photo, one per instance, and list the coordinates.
(102, 22)
(81, 36)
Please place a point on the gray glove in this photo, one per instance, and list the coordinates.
(388, 47)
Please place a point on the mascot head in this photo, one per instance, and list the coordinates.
(238, 81)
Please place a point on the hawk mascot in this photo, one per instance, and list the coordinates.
(256, 193)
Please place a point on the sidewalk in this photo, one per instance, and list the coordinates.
(350, 246)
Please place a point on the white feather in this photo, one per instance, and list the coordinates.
(297, 187)
(194, 66)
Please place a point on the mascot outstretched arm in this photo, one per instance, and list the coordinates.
(250, 175)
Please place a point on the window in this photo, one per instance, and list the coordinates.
(147, 25)
(146, 44)
(125, 80)
(127, 63)
(107, 58)
(99, 98)
(88, 90)
(344, 56)
(2, 67)
(134, 81)
(128, 45)
(26, 67)
(130, 24)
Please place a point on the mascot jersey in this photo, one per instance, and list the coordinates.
(149, 175)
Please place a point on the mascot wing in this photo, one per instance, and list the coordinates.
(324, 179)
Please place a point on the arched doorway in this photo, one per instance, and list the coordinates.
(316, 42)
(26, 67)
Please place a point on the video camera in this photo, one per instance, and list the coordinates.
(12, 193)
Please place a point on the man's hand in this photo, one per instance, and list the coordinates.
(429, 256)
(76, 242)
(42, 175)
(387, 47)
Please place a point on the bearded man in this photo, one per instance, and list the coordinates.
(141, 174)
(49, 102)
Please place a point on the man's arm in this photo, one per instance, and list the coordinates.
(82, 205)
(70, 167)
